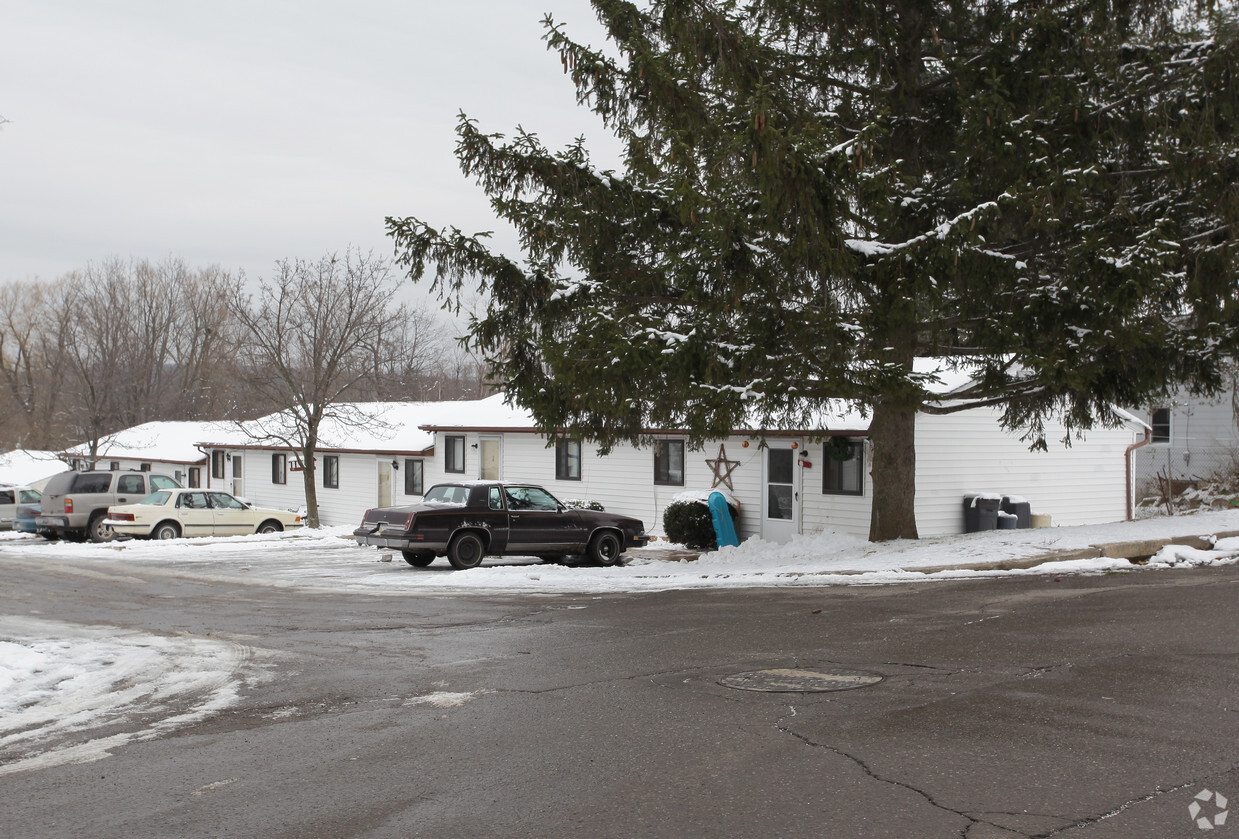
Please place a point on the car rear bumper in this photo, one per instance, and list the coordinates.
(399, 540)
(128, 528)
(60, 525)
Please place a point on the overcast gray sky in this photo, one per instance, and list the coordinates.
(238, 133)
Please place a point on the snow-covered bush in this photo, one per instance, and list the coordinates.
(690, 524)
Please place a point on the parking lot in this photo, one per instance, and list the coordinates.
(1048, 705)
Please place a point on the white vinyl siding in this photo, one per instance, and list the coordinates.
(623, 481)
(967, 452)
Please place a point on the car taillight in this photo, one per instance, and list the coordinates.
(68, 505)
(408, 525)
(121, 516)
(366, 517)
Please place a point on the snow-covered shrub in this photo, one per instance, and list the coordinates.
(690, 524)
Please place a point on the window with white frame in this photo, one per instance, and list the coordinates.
(279, 468)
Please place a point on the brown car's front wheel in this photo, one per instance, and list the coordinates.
(605, 548)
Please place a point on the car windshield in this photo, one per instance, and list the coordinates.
(447, 494)
(156, 498)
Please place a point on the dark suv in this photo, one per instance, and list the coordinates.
(74, 504)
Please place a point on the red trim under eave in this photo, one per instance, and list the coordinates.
(272, 448)
(742, 432)
(1131, 501)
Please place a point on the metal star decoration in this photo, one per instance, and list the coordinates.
(722, 468)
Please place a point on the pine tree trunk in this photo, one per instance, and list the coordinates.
(892, 432)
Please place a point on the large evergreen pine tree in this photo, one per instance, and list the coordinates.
(814, 194)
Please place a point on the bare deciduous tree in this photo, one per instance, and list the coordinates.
(34, 338)
(310, 335)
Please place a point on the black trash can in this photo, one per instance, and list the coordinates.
(1007, 521)
(981, 512)
(1018, 507)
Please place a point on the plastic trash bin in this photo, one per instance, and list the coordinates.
(1007, 521)
(981, 512)
(1018, 507)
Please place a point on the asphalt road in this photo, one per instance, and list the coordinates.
(1076, 707)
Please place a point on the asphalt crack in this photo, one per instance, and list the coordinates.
(971, 820)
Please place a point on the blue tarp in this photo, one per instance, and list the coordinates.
(724, 528)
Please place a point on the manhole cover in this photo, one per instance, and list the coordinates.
(783, 680)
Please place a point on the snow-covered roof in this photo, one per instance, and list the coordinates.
(169, 442)
(23, 468)
(836, 415)
(395, 427)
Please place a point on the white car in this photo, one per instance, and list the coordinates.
(171, 513)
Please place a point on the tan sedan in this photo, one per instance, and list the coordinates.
(171, 513)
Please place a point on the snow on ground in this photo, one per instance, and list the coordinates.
(73, 693)
(328, 559)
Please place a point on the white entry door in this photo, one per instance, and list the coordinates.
(238, 478)
(780, 519)
(384, 493)
(488, 468)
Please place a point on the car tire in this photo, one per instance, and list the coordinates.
(270, 526)
(605, 548)
(418, 559)
(98, 531)
(166, 530)
(466, 551)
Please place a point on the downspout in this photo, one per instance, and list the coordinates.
(1131, 489)
(208, 466)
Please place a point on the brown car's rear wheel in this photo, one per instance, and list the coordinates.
(466, 551)
(418, 559)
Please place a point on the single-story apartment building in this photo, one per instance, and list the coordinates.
(787, 481)
(800, 481)
(166, 448)
(371, 454)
